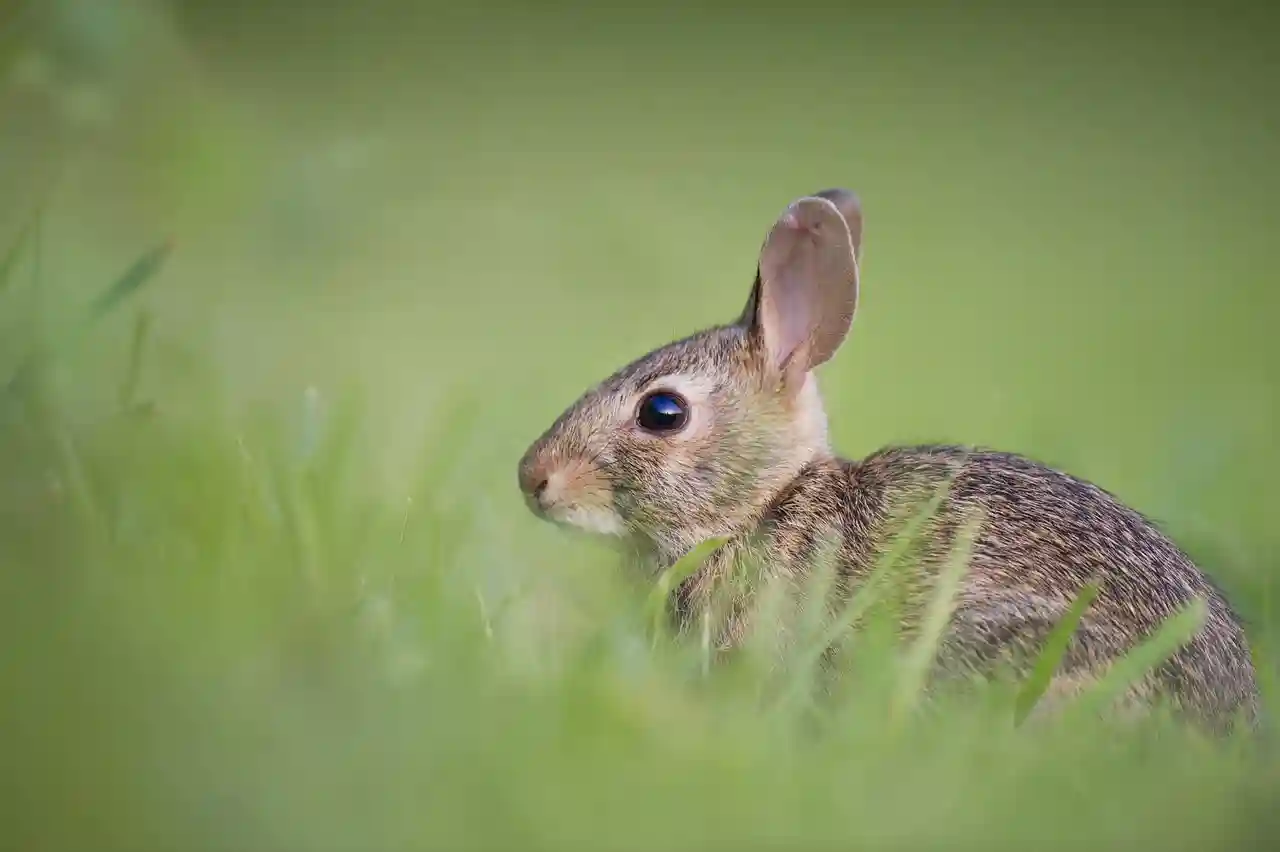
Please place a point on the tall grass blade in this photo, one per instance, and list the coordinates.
(672, 577)
(133, 371)
(1055, 647)
(143, 270)
(1171, 635)
(913, 675)
(910, 532)
(10, 260)
(869, 593)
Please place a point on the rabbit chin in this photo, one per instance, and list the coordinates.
(598, 520)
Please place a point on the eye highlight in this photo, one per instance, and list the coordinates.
(662, 412)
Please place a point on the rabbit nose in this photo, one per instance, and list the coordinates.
(533, 480)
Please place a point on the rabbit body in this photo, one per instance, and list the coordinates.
(1042, 535)
(723, 435)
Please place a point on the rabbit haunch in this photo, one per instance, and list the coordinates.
(751, 463)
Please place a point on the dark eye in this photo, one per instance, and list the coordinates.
(662, 411)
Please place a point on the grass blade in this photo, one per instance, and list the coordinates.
(14, 254)
(1171, 635)
(914, 673)
(669, 579)
(910, 532)
(137, 351)
(870, 592)
(867, 595)
(1055, 647)
(143, 270)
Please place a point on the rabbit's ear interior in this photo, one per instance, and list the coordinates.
(806, 287)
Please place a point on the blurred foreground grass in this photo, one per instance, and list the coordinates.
(266, 582)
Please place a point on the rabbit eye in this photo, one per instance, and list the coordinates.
(662, 411)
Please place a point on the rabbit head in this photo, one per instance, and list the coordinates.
(693, 440)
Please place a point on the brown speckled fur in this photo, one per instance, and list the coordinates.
(1045, 534)
(755, 468)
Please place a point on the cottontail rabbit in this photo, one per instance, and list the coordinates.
(723, 435)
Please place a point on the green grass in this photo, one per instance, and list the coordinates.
(265, 577)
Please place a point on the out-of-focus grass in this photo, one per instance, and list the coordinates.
(265, 581)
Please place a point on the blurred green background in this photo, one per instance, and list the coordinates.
(418, 231)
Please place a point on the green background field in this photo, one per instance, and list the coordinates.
(439, 224)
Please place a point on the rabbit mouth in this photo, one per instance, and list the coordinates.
(597, 520)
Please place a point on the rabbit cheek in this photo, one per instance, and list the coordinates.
(662, 489)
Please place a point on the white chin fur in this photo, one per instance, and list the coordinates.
(598, 521)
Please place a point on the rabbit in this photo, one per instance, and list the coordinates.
(723, 435)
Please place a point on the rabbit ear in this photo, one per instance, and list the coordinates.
(806, 287)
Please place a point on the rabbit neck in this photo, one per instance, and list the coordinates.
(811, 438)
(806, 444)
(807, 513)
